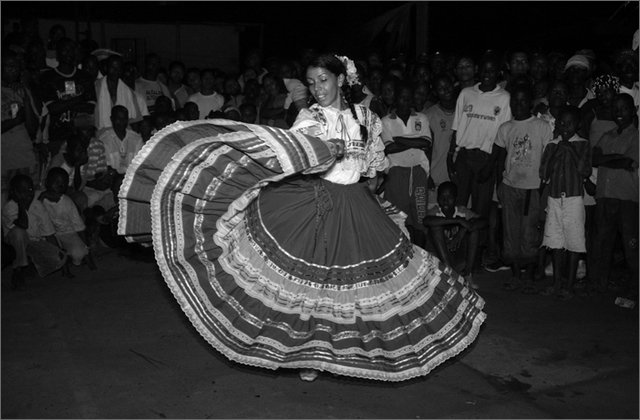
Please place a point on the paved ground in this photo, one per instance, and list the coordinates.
(114, 344)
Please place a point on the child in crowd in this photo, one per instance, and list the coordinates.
(248, 113)
(440, 117)
(407, 137)
(566, 162)
(29, 230)
(191, 111)
(518, 150)
(208, 100)
(616, 156)
(383, 103)
(453, 232)
(66, 220)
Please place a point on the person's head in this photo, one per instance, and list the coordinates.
(176, 72)
(539, 67)
(437, 63)
(231, 86)
(193, 79)
(248, 113)
(57, 181)
(443, 87)
(541, 88)
(447, 194)
(396, 70)
(115, 67)
(66, 52)
(421, 73)
(130, 74)
(162, 119)
(518, 63)
(233, 114)
(192, 112)
(272, 85)
(557, 62)
(207, 80)
(568, 121)
(558, 94)
(606, 88)
(251, 89)
(325, 76)
(420, 95)
(374, 60)
(520, 80)
(465, 69)
(489, 68)
(374, 80)
(403, 98)
(388, 90)
(90, 65)
(21, 189)
(253, 59)
(10, 66)
(56, 33)
(76, 152)
(577, 70)
(520, 102)
(624, 110)
(119, 118)
(146, 128)
(626, 67)
(151, 66)
(163, 105)
(287, 70)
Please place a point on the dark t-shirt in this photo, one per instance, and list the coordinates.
(55, 86)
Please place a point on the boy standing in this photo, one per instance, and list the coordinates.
(518, 148)
(566, 162)
(616, 156)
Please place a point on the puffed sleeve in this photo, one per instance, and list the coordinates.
(376, 161)
(310, 121)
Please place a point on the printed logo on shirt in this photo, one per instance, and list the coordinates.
(418, 125)
(522, 150)
(443, 125)
(496, 111)
(467, 108)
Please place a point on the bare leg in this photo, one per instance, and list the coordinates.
(437, 238)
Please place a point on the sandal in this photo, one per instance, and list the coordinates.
(308, 375)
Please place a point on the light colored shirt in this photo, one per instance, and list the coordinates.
(440, 124)
(524, 142)
(207, 103)
(40, 224)
(478, 115)
(64, 215)
(619, 183)
(120, 153)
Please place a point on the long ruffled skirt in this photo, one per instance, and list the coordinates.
(278, 268)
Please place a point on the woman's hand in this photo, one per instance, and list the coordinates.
(339, 147)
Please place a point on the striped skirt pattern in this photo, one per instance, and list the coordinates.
(278, 268)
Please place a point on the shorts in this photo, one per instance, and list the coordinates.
(564, 225)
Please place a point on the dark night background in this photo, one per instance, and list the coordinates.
(452, 25)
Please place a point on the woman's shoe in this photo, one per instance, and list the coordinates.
(308, 375)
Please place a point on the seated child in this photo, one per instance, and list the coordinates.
(453, 232)
(30, 231)
(65, 217)
(566, 162)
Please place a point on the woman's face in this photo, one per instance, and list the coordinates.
(325, 86)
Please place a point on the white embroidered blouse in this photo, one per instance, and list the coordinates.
(360, 158)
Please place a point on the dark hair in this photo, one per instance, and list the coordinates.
(400, 86)
(63, 42)
(119, 108)
(53, 173)
(441, 76)
(448, 185)
(15, 182)
(628, 99)
(335, 66)
(176, 64)
(526, 89)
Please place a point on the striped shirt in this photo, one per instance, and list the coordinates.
(564, 168)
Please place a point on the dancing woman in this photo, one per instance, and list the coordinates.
(280, 255)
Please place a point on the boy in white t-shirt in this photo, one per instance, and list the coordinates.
(407, 137)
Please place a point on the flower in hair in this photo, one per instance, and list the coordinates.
(352, 72)
(607, 81)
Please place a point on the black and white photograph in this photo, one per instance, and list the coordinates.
(320, 210)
